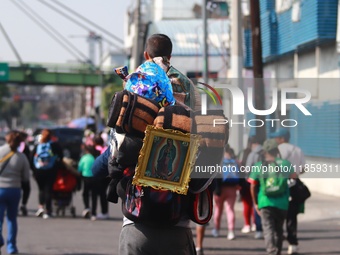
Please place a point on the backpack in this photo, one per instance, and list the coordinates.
(273, 184)
(44, 158)
(150, 206)
(146, 204)
(161, 207)
(299, 192)
(230, 171)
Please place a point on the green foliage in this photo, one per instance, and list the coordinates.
(8, 108)
(9, 111)
(3, 93)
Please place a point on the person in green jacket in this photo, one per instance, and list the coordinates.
(270, 177)
(89, 182)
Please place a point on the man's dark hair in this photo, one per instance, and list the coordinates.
(229, 150)
(275, 152)
(255, 140)
(158, 45)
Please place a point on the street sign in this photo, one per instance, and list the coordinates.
(4, 72)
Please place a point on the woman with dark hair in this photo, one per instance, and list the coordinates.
(225, 193)
(14, 169)
(45, 161)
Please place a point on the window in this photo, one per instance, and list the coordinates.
(296, 11)
(283, 5)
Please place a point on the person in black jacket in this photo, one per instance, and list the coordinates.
(46, 177)
(25, 185)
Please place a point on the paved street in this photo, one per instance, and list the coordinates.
(319, 232)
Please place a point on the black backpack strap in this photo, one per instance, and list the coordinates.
(115, 108)
(121, 119)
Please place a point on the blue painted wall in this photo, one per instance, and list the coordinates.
(318, 135)
(281, 36)
(248, 49)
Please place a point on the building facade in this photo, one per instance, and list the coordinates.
(300, 50)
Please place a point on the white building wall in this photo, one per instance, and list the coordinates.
(329, 186)
(328, 64)
(285, 68)
(195, 64)
(306, 65)
(316, 71)
(174, 9)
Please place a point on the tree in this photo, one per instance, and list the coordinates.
(9, 109)
(3, 93)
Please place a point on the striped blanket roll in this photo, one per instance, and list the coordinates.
(212, 136)
(211, 144)
(123, 114)
(143, 112)
(130, 113)
(174, 117)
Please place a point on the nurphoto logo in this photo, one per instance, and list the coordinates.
(238, 99)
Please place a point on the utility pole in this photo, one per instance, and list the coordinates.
(259, 97)
(236, 139)
(90, 91)
(92, 39)
(136, 43)
(205, 72)
(92, 95)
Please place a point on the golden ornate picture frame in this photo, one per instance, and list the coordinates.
(166, 159)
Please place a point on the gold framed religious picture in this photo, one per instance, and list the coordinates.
(166, 159)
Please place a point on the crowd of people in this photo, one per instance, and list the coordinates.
(272, 217)
(18, 163)
(266, 200)
(264, 213)
(93, 187)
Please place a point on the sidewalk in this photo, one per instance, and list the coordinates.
(319, 231)
(321, 207)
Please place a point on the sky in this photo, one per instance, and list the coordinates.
(34, 45)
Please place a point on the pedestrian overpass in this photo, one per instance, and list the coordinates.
(84, 75)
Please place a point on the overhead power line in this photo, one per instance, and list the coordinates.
(55, 31)
(44, 24)
(11, 44)
(89, 21)
(76, 22)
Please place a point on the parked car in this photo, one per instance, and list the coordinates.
(70, 140)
